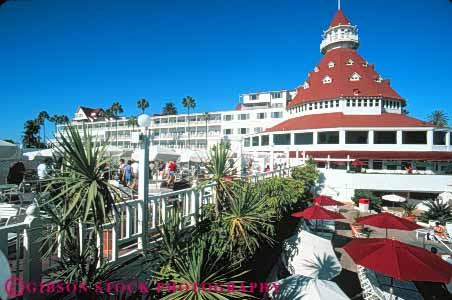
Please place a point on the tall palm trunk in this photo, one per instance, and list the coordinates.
(188, 112)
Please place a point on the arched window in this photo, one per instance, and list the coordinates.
(350, 62)
(331, 64)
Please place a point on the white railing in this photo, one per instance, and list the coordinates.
(134, 227)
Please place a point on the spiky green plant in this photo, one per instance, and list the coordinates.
(437, 210)
(220, 165)
(247, 220)
(82, 189)
(201, 265)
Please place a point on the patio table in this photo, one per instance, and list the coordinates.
(402, 290)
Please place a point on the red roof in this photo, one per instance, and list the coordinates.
(383, 155)
(238, 106)
(91, 112)
(333, 120)
(339, 19)
(346, 63)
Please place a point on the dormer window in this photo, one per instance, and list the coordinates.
(327, 79)
(365, 64)
(331, 64)
(379, 79)
(316, 69)
(350, 62)
(306, 85)
(355, 77)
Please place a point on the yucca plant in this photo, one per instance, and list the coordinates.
(437, 210)
(201, 265)
(247, 220)
(220, 165)
(81, 188)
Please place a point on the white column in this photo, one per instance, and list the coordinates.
(314, 138)
(448, 138)
(342, 137)
(143, 190)
(371, 137)
(399, 137)
(348, 162)
(430, 138)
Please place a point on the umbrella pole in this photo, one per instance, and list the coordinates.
(391, 289)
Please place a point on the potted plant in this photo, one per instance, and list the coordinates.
(409, 208)
(356, 227)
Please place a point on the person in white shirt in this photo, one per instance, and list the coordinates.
(135, 167)
(42, 170)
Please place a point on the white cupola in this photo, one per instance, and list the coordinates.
(340, 34)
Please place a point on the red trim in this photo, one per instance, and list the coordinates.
(385, 155)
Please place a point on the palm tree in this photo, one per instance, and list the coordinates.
(54, 119)
(42, 117)
(206, 117)
(188, 102)
(132, 121)
(116, 109)
(169, 109)
(143, 104)
(220, 165)
(31, 128)
(439, 118)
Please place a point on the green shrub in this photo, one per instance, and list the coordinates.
(375, 201)
(307, 173)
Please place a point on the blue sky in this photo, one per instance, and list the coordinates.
(58, 54)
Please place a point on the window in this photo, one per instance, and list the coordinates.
(243, 117)
(326, 104)
(328, 137)
(265, 140)
(377, 102)
(349, 62)
(327, 79)
(276, 114)
(353, 103)
(310, 106)
(243, 131)
(228, 117)
(337, 103)
(321, 105)
(331, 64)
(247, 142)
(275, 95)
(254, 97)
(379, 79)
(439, 138)
(227, 131)
(356, 137)
(281, 139)
(261, 116)
(385, 137)
(277, 105)
(348, 102)
(371, 103)
(355, 77)
(306, 85)
(257, 129)
(255, 141)
(316, 69)
(305, 138)
(414, 137)
(377, 165)
(315, 105)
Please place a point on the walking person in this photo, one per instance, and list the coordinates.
(127, 178)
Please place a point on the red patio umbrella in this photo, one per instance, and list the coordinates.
(316, 212)
(358, 163)
(399, 260)
(326, 201)
(388, 221)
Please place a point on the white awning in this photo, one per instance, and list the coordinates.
(158, 153)
(40, 154)
(188, 155)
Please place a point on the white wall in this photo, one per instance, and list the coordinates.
(346, 183)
